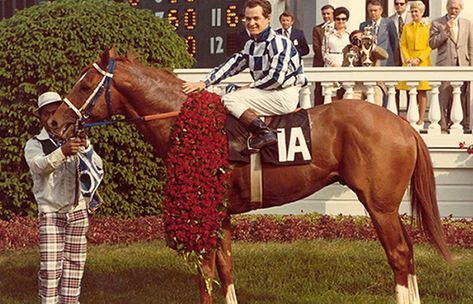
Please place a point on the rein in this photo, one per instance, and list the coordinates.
(139, 118)
(84, 112)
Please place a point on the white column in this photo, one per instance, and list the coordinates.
(370, 90)
(413, 109)
(456, 114)
(327, 91)
(304, 97)
(391, 106)
(348, 86)
(434, 112)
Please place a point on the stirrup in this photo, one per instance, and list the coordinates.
(249, 150)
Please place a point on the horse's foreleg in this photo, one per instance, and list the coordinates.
(225, 263)
(206, 277)
(399, 251)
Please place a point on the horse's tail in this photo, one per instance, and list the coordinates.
(424, 199)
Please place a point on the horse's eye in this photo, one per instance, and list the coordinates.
(84, 86)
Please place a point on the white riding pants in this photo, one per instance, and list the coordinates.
(264, 102)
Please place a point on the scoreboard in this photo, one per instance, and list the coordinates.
(210, 27)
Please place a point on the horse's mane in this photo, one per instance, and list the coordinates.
(151, 71)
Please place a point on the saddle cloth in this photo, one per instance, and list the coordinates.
(293, 147)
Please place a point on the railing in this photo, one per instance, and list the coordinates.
(390, 75)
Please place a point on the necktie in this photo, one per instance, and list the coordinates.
(286, 33)
(375, 29)
(401, 25)
(454, 31)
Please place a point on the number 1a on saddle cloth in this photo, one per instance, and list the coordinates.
(293, 146)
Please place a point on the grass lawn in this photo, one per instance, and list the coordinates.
(302, 272)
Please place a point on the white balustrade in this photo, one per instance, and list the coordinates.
(391, 106)
(413, 109)
(434, 112)
(456, 114)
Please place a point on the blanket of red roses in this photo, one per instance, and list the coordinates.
(197, 173)
(22, 232)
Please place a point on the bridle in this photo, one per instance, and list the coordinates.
(84, 111)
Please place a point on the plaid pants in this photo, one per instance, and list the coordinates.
(63, 250)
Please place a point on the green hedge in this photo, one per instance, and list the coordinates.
(44, 48)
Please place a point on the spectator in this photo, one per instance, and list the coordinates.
(383, 29)
(63, 218)
(337, 39)
(453, 37)
(277, 72)
(416, 52)
(400, 18)
(317, 39)
(295, 35)
(377, 54)
(334, 42)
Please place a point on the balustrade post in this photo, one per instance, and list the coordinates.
(434, 111)
(304, 97)
(348, 86)
(456, 114)
(391, 106)
(327, 91)
(370, 90)
(413, 109)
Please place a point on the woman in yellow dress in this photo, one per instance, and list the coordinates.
(416, 51)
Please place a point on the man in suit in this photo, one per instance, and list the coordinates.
(318, 34)
(383, 29)
(295, 35)
(400, 18)
(452, 36)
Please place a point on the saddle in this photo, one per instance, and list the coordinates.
(293, 133)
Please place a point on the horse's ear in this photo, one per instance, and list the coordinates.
(131, 55)
(104, 58)
(113, 53)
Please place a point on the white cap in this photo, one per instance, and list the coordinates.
(48, 98)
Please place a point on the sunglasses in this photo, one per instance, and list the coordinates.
(399, 3)
(341, 19)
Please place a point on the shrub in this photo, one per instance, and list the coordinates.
(23, 233)
(44, 48)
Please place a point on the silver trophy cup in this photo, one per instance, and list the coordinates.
(368, 42)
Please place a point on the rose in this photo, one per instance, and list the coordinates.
(195, 203)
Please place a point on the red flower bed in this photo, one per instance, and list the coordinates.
(23, 232)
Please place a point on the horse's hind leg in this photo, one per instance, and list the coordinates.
(225, 263)
(399, 251)
(412, 292)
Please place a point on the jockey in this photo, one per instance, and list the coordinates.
(277, 72)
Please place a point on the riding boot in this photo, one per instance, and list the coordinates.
(263, 135)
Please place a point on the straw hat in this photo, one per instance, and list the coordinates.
(47, 98)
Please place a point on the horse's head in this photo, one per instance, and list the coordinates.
(90, 98)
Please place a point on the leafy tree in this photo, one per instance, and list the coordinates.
(44, 48)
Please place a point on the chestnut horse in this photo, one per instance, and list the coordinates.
(356, 143)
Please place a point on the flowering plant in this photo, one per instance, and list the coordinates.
(469, 149)
(197, 173)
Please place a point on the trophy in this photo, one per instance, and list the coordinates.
(368, 42)
(351, 56)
